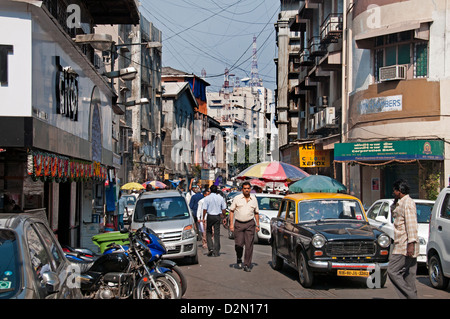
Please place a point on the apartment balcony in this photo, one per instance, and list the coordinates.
(331, 28)
(304, 58)
(316, 47)
(297, 24)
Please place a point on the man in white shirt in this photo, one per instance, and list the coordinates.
(214, 205)
(202, 221)
(244, 221)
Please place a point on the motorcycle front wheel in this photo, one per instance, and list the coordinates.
(166, 288)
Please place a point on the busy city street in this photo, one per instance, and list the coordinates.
(277, 150)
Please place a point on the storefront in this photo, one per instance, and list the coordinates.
(374, 166)
(56, 113)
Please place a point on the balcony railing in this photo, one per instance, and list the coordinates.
(316, 47)
(331, 28)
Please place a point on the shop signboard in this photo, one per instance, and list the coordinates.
(309, 156)
(390, 150)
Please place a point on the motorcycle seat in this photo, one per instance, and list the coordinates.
(84, 266)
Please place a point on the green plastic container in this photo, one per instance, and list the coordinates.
(103, 240)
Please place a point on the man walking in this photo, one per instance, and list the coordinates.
(403, 260)
(244, 221)
(213, 205)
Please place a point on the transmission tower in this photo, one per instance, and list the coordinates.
(255, 80)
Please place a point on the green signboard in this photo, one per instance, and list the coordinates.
(389, 150)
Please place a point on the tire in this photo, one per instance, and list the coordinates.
(163, 284)
(176, 272)
(277, 261)
(174, 280)
(436, 274)
(305, 275)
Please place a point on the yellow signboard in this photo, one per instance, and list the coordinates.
(310, 157)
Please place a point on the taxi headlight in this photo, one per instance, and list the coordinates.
(318, 241)
(384, 241)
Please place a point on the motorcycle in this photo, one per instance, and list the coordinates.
(123, 273)
(158, 265)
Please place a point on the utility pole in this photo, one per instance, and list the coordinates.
(136, 96)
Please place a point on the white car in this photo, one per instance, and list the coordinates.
(379, 215)
(131, 203)
(268, 208)
(438, 249)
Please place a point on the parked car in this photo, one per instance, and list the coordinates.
(327, 233)
(438, 248)
(269, 205)
(131, 203)
(32, 263)
(171, 219)
(380, 215)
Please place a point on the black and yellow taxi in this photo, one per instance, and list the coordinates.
(328, 233)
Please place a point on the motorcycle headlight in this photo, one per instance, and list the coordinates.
(384, 241)
(188, 232)
(318, 241)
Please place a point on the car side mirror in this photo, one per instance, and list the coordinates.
(381, 219)
(51, 282)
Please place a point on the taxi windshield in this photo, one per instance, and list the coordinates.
(318, 210)
(9, 264)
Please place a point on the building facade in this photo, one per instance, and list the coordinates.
(360, 87)
(56, 114)
(398, 104)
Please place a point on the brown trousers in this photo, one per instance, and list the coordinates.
(244, 234)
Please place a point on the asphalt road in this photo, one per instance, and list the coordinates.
(218, 278)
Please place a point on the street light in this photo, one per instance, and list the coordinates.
(99, 41)
(143, 100)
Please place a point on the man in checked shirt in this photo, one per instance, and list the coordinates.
(403, 261)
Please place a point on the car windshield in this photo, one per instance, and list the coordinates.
(316, 210)
(268, 203)
(158, 209)
(9, 264)
(131, 200)
(423, 212)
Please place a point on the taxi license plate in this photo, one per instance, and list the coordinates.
(353, 273)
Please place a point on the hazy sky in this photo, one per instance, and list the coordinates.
(216, 34)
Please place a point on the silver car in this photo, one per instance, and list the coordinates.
(170, 218)
(131, 203)
(32, 263)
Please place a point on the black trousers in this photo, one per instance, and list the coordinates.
(213, 221)
(244, 234)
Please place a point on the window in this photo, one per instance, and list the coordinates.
(401, 49)
(40, 259)
(282, 214)
(291, 211)
(373, 212)
(445, 210)
(50, 243)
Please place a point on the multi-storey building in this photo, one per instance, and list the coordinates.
(361, 85)
(56, 112)
(398, 105)
(308, 97)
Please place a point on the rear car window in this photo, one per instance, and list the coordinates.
(9, 264)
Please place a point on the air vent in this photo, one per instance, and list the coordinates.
(392, 73)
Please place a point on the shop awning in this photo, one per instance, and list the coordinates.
(390, 150)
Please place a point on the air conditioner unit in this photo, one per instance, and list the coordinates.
(322, 101)
(311, 126)
(392, 73)
(316, 121)
(329, 115)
